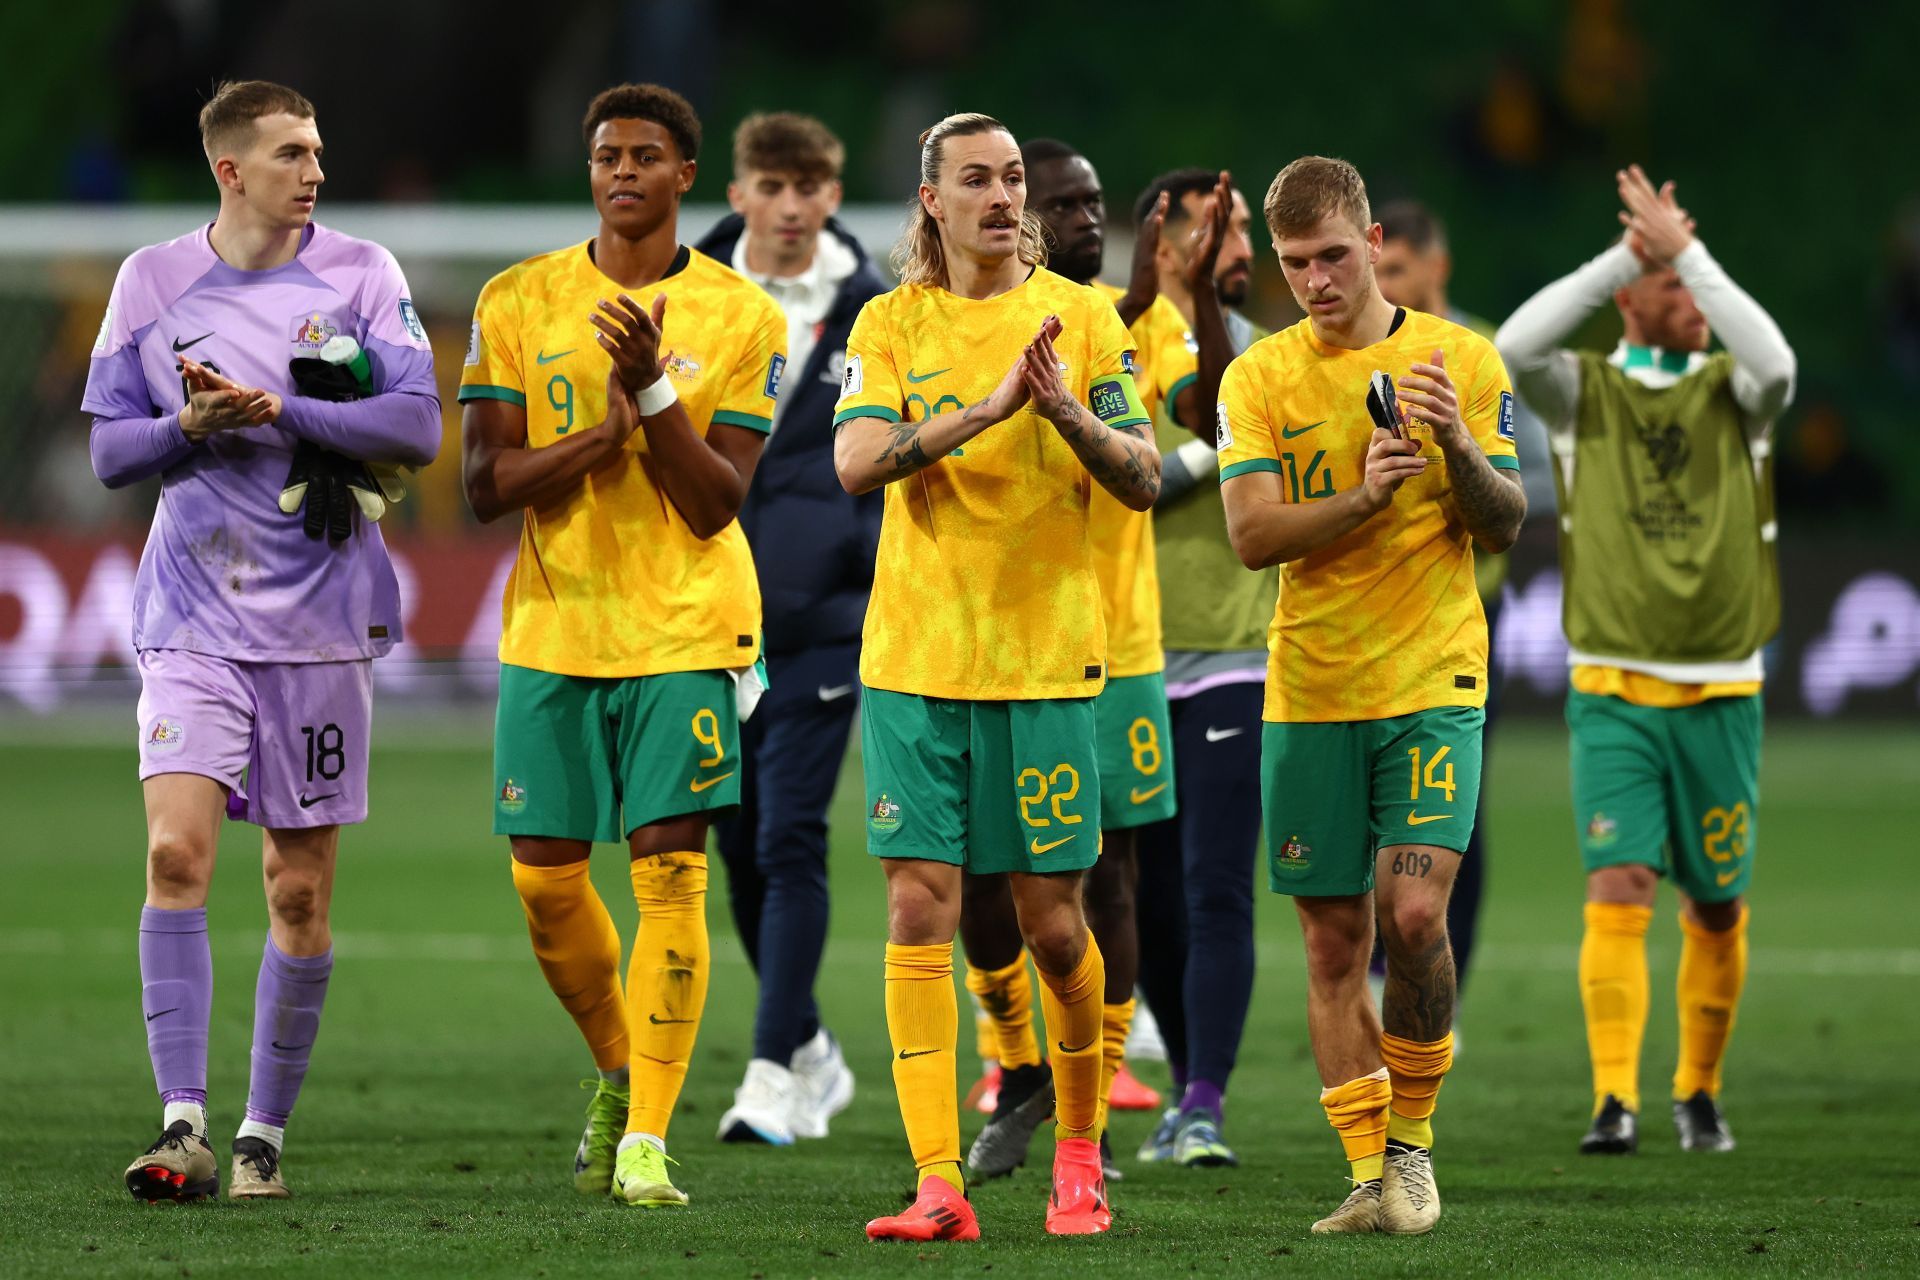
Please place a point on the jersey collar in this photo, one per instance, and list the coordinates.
(1654, 366)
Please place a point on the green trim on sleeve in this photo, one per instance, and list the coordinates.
(1505, 461)
(866, 411)
(1141, 421)
(1173, 392)
(1231, 470)
(481, 391)
(734, 418)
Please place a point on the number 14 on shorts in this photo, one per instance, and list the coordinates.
(1428, 776)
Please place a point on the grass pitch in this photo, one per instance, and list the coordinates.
(438, 1123)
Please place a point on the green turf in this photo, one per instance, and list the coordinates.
(438, 1123)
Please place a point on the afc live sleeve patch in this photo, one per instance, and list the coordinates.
(775, 367)
(410, 320)
(1115, 401)
(851, 381)
(473, 343)
(1223, 440)
(1505, 420)
(1127, 362)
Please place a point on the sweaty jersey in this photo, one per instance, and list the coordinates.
(1384, 621)
(984, 587)
(611, 581)
(1165, 364)
(225, 572)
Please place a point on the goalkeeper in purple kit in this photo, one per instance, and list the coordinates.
(273, 374)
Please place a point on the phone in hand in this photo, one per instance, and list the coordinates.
(1383, 406)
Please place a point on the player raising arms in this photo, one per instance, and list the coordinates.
(617, 396)
(1370, 758)
(255, 635)
(1663, 460)
(967, 394)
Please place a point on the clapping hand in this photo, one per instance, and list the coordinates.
(217, 403)
(1658, 229)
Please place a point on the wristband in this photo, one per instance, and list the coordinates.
(656, 398)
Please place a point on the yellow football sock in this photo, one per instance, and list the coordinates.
(1115, 1021)
(1613, 990)
(579, 951)
(923, 1022)
(1713, 969)
(1072, 1008)
(1007, 996)
(1415, 1072)
(666, 982)
(1357, 1110)
(986, 1040)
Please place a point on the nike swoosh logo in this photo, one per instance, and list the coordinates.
(1082, 1049)
(1288, 433)
(1726, 878)
(1221, 735)
(1415, 820)
(307, 802)
(292, 1048)
(837, 691)
(163, 1013)
(701, 784)
(1141, 797)
(179, 346)
(659, 1021)
(544, 358)
(915, 1053)
(1039, 848)
(923, 377)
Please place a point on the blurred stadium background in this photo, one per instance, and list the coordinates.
(452, 138)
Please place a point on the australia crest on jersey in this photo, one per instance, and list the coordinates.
(310, 332)
(683, 368)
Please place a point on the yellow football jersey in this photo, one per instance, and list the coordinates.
(611, 581)
(984, 587)
(1384, 621)
(1123, 550)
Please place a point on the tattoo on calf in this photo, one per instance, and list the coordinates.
(1418, 1002)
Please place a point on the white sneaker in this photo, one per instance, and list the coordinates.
(1409, 1196)
(1144, 1042)
(823, 1082)
(763, 1106)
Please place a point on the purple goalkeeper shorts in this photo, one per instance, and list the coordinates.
(289, 740)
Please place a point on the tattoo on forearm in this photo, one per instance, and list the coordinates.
(1121, 461)
(1418, 1002)
(1491, 505)
(905, 453)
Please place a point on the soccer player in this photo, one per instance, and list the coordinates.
(988, 395)
(1370, 757)
(1196, 870)
(813, 547)
(1663, 462)
(617, 395)
(1130, 715)
(255, 640)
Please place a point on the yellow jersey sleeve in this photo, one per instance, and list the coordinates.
(870, 387)
(492, 367)
(753, 383)
(1175, 358)
(1486, 405)
(1245, 433)
(1111, 392)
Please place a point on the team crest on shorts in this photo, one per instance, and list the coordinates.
(1294, 854)
(513, 797)
(885, 815)
(165, 737)
(1602, 831)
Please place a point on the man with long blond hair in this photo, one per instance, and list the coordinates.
(987, 395)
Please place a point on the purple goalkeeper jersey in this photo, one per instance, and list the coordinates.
(225, 572)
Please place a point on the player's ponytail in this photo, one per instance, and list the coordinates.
(918, 257)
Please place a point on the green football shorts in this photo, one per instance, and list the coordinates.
(989, 786)
(1336, 792)
(589, 758)
(1135, 745)
(1672, 788)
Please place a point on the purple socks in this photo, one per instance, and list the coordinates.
(176, 994)
(1202, 1095)
(286, 1018)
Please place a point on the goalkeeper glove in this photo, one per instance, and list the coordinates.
(331, 484)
